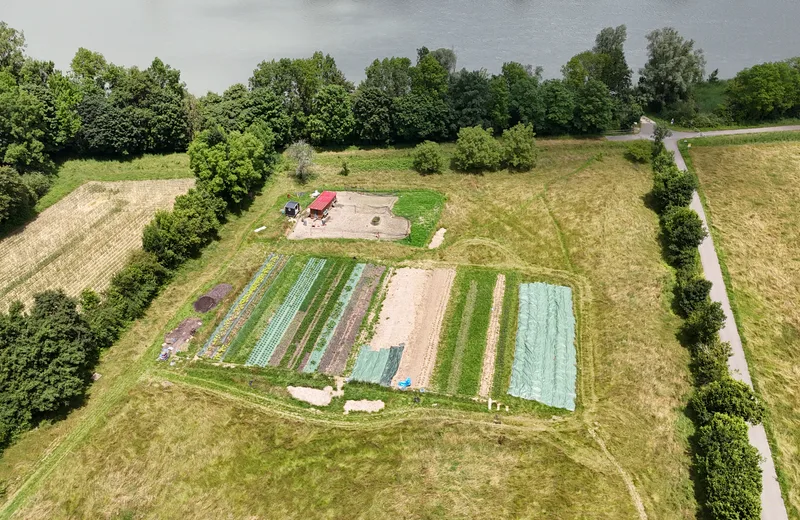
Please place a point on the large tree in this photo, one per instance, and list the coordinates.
(372, 111)
(615, 74)
(390, 75)
(672, 68)
(470, 99)
(594, 108)
(16, 199)
(331, 119)
(768, 90)
(418, 117)
(12, 49)
(23, 126)
(429, 77)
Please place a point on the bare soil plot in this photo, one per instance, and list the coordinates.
(419, 356)
(398, 315)
(82, 241)
(179, 337)
(437, 239)
(356, 215)
(492, 335)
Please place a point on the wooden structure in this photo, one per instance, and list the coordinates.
(291, 209)
(319, 208)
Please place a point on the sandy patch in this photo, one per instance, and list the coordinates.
(315, 396)
(353, 216)
(492, 335)
(363, 405)
(437, 239)
(419, 355)
(398, 315)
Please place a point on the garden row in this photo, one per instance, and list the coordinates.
(449, 331)
(726, 462)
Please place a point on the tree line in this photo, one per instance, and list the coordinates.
(721, 407)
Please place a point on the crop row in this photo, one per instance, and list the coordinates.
(333, 320)
(283, 317)
(225, 325)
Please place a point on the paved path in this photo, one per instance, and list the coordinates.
(772, 506)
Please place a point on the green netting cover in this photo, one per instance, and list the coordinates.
(392, 364)
(544, 366)
(370, 364)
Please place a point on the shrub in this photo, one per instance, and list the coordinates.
(16, 199)
(428, 158)
(663, 161)
(683, 232)
(710, 361)
(303, 153)
(134, 287)
(691, 293)
(671, 186)
(727, 396)
(477, 150)
(730, 468)
(519, 148)
(704, 323)
(37, 182)
(639, 151)
(345, 171)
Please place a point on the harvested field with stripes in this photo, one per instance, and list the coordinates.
(101, 221)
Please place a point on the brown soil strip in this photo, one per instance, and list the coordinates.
(283, 346)
(334, 360)
(364, 405)
(419, 355)
(179, 337)
(397, 317)
(461, 342)
(318, 306)
(492, 335)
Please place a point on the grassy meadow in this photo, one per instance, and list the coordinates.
(211, 443)
(751, 192)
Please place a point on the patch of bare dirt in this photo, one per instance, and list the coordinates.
(179, 337)
(364, 405)
(437, 239)
(353, 217)
(334, 360)
(492, 335)
(398, 315)
(313, 396)
(212, 298)
(419, 355)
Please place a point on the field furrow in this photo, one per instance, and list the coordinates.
(487, 373)
(463, 336)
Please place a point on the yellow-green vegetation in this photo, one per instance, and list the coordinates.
(751, 193)
(74, 172)
(227, 442)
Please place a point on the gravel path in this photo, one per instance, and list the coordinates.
(772, 504)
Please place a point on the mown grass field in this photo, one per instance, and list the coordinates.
(217, 445)
(751, 193)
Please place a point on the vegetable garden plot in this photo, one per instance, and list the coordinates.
(283, 317)
(236, 317)
(335, 358)
(544, 366)
(333, 320)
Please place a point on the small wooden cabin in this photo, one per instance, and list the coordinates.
(291, 209)
(319, 208)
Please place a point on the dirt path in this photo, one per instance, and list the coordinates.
(772, 503)
(437, 239)
(419, 355)
(463, 336)
(398, 315)
(493, 334)
(335, 358)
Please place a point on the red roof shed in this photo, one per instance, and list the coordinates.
(319, 208)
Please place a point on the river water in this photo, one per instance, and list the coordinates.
(216, 43)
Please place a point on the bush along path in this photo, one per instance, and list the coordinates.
(733, 456)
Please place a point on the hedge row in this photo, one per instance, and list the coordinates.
(47, 355)
(721, 406)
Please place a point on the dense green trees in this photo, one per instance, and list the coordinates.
(766, 91)
(372, 114)
(16, 198)
(46, 357)
(331, 120)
